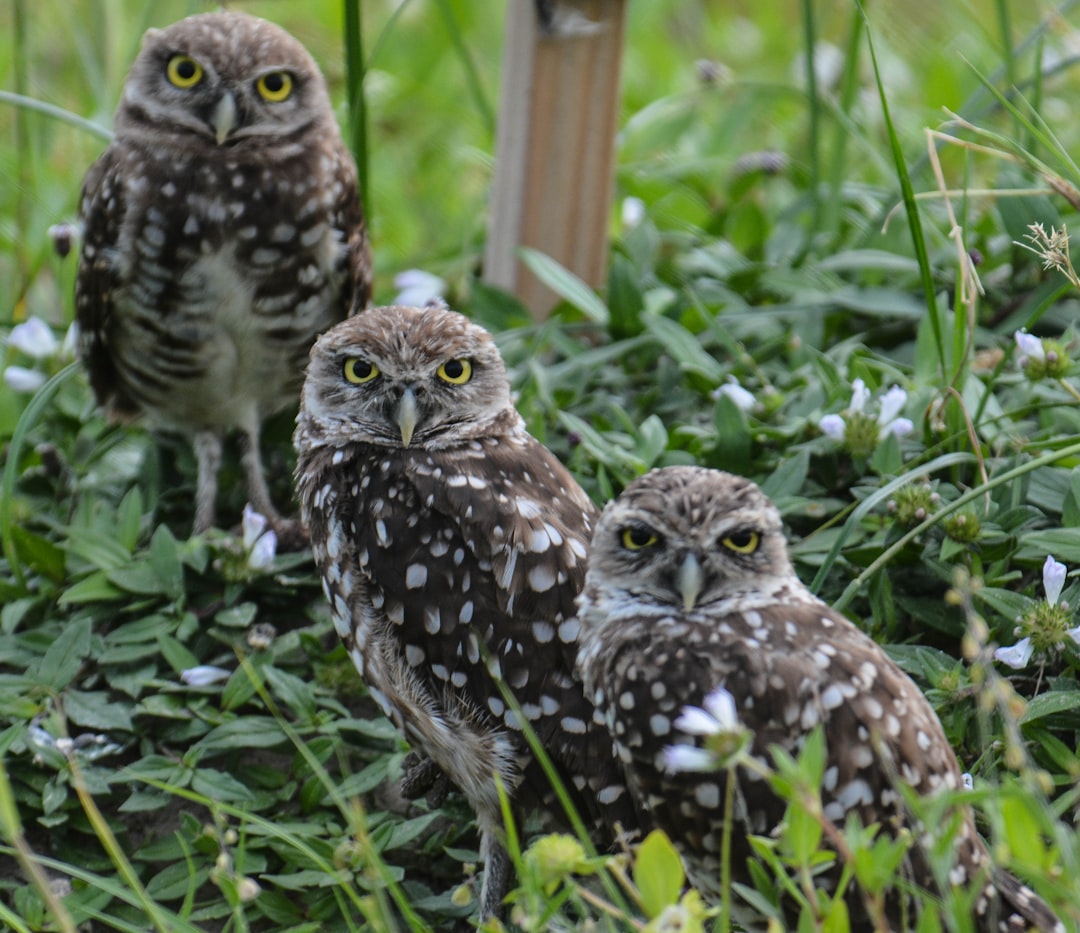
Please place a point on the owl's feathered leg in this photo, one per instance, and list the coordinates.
(251, 458)
(498, 870)
(207, 446)
(290, 533)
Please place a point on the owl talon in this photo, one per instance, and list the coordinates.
(421, 777)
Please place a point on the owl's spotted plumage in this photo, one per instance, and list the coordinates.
(222, 234)
(690, 589)
(452, 545)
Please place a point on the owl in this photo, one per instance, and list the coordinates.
(222, 233)
(451, 545)
(690, 592)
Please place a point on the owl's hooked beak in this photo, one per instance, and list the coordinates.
(223, 119)
(689, 580)
(406, 415)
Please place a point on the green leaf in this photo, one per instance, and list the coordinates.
(245, 732)
(40, 553)
(1062, 543)
(625, 300)
(94, 711)
(129, 519)
(684, 348)
(658, 873)
(1047, 704)
(1023, 832)
(164, 560)
(64, 656)
(220, 785)
(565, 284)
(95, 588)
(178, 657)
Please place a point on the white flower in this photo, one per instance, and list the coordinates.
(892, 403)
(890, 406)
(860, 395)
(1030, 347)
(259, 541)
(967, 781)
(744, 400)
(633, 212)
(832, 426)
(254, 524)
(21, 379)
(263, 553)
(1017, 656)
(678, 758)
(1074, 634)
(417, 287)
(203, 675)
(718, 716)
(34, 338)
(1053, 579)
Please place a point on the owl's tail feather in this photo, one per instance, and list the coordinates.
(1021, 908)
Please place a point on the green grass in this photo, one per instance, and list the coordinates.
(790, 242)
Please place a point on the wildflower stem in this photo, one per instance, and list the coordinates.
(725, 851)
(607, 907)
(1070, 388)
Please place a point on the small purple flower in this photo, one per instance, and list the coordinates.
(260, 542)
(744, 400)
(417, 287)
(21, 379)
(1053, 579)
(1016, 656)
(1030, 347)
(34, 338)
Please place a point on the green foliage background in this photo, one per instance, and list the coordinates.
(763, 257)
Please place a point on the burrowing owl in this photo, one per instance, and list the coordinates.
(222, 234)
(690, 589)
(451, 545)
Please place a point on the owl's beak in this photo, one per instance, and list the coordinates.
(223, 118)
(689, 580)
(406, 415)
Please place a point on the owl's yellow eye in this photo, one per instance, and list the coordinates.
(456, 372)
(637, 537)
(743, 541)
(183, 72)
(275, 86)
(358, 371)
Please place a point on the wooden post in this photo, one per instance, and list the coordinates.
(555, 147)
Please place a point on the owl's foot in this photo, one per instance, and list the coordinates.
(421, 777)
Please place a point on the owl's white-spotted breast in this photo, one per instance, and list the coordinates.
(222, 233)
(690, 589)
(452, 545)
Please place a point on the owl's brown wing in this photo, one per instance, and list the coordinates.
(497, 534)
(101, 211)
(790, 668)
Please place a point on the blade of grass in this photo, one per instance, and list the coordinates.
(472, 75)
(157, 914)
(882, 560)
(911, 207)
(872, 501)
(11, 829)
(352, 812)
(357, 105)
(22, 102)
(813, 110)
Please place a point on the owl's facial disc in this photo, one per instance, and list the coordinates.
(223, 118)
